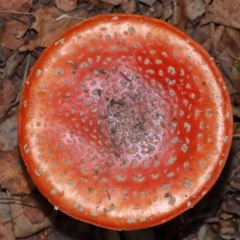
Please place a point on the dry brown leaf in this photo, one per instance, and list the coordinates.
(5, 53)
(216, 36)
(232, 43)
(131, 7)
(158, 10)
(48, 28)
(195, 9)
(8, 134)
(201, 33)
(226, 12)
(7, 92)
(22, 227)
(7, 96)
(9, 32)
(39, 236)
(226, 64)
(205, 19)
(235, 79)
(37, 209)
(4, 109)
(13, 174)
(11, 65)
(115, 2)
(232, 46)
(66, 5)
(230, 87)
(231, 206)
(148, 2)
(100, 5)
(6, 225)
(167, 10)
(15, 5)
(179, 18)
(178, 11)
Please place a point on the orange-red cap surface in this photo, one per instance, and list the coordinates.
(124, 122)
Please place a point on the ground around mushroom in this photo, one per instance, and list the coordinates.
(26, 28)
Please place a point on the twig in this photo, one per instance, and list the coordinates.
(17, 12)
(68, 16)
(21, 21)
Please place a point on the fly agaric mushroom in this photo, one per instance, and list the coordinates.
(124, 122)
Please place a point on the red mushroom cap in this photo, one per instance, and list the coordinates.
(124, 122)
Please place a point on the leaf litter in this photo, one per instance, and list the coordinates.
(26, 27)
(48, 27)
(13, 175)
